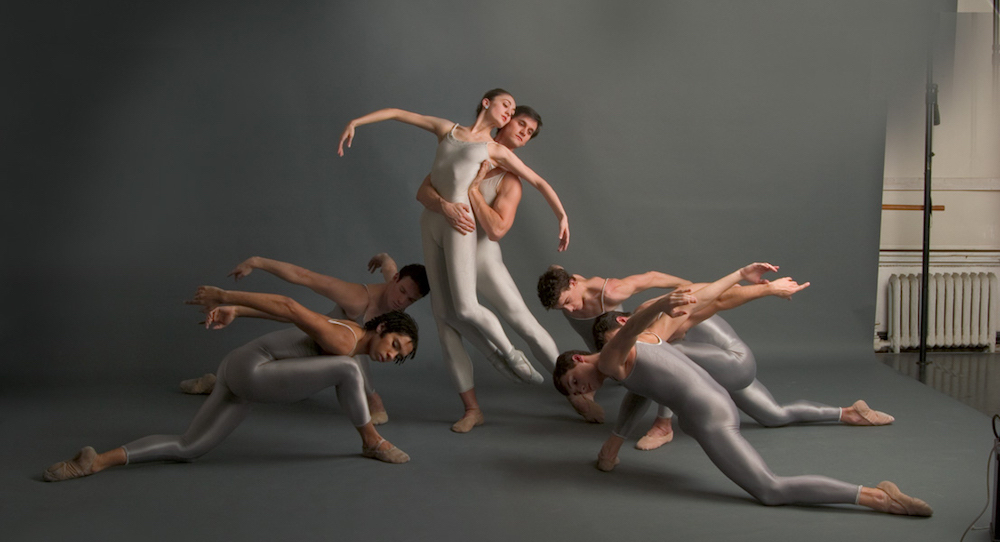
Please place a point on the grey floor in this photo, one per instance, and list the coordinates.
(293, 472)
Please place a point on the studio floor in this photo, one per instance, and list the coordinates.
(294, 472)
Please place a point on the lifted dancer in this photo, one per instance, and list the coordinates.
(650, 368)
(494, 197)
(272, 369)
(354, 301)
(449, 255)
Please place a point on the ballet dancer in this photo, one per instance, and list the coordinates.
(582, 300)
(353, 301)
(650, 368)
(449, 255)
(494, 197)
(714, 346)
(272, 369)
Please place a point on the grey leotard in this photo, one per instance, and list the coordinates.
(715, 347)
(495, 284)
(280, 367)
(663, 374)
(450, 261)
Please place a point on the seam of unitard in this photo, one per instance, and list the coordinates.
(857, 498)
(349, 328)
(126, 454)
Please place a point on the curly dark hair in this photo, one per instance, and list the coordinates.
(565, 364)
(553, 282)
(418, 274)
(605, 323)
(396, 322)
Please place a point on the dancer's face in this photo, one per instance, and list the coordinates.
(517, 132)
(571, 299)
(501, 109)
(390, 347)
(401, 293)
(583, 378)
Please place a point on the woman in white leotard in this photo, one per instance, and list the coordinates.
(280, 367)
(449, 256)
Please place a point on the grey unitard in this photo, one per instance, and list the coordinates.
(280, 367)
(715, 347)
(707, 414)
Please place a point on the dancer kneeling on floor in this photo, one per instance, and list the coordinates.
(651, 369)
(272, 369)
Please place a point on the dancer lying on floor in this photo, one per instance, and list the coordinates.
(354, 301)
(494, 196)
(449, 255)
(651, 369)
(272, 369)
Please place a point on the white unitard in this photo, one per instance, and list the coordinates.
(495, 284)
(707, 414)
(715, 347)
(280, 367)
(584, 327)
(450, 261)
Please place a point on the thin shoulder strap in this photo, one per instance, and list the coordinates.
(349, 328)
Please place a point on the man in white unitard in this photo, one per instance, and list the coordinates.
(494, 197)
(353, 301)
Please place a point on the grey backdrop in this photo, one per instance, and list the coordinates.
(150, 148)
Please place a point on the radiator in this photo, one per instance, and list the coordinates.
(961, 310)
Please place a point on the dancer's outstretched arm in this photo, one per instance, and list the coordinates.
(619, 290)
(437, 126)
(614, 360)
(351, 297)
(509, 161)
(383, 261)
(333, 339)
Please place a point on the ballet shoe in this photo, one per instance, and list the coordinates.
(605, 464)
(391, 455)
(521, 367)
(78, 467)
(652, 442)
(498, 362)
(379, 417)
(905, 505)
(471, 419)
(203, 385)
(590, 410)
(869, 416)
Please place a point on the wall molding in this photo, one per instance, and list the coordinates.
(941, 184)
(940, 258)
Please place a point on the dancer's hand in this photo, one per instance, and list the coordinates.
(220, 317)
(243, 269)
(459, 215)
(208, 297)
(347, 136)
(677, 300)
(378, 260)
(752, 273)
(785, 287)
(563, 233)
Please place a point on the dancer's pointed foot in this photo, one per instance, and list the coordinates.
(896, 502)
(385, 451)
(861, 414)
(590, 410)
(607, 463)
(471, 419)
(661, 433)
(203, 385)
(499, 363)
(81, 465)
(521, 367)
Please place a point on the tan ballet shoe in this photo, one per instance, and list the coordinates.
(390, 455)
(652, 442)
(607, 464)
(868, 416)
(471, 419)
(379, 417)
(902, 504)
(78, 467)
(203, 385)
